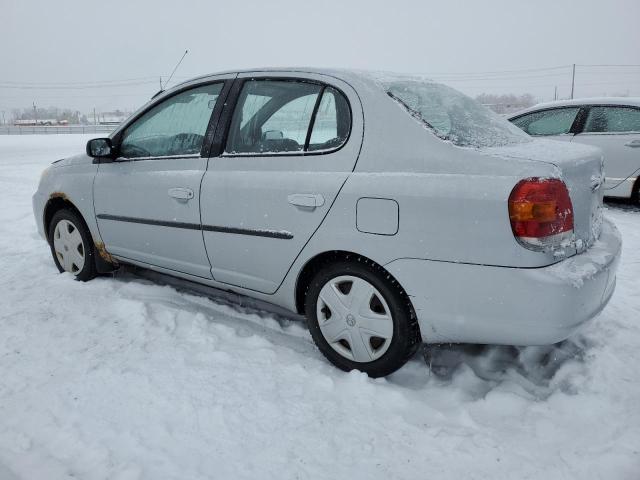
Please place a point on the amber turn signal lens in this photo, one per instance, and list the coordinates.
(541, 212)
(525, 211)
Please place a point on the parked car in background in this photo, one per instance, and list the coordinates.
(437, 222)
(613, 124)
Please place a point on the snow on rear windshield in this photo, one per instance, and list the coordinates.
(451, 115)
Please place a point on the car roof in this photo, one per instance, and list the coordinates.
(631, 101)
(340, 73)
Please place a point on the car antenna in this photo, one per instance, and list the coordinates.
(163, 87)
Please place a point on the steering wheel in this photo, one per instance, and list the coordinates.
(134, 151)
(186, 143)
(279, 145)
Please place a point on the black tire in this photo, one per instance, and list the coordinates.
(635, 193)
(88, 271)
(406, 333)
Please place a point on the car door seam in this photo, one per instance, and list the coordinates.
(335, 198)
(206, 167)
(93, 203)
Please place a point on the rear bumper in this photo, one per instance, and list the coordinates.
(514, 306)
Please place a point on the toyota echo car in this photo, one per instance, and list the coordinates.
(389, 210)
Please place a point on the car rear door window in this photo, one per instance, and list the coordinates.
(272, 116)
(275, 116)
(548, 122)
(612, 119)
(174, 127)
(291, 121)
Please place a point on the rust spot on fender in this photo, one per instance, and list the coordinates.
(106, 256)
(61, 195)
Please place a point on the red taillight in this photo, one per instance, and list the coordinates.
(541, 213)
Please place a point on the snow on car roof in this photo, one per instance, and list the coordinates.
(340, 73)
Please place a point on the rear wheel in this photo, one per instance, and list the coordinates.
(71, 245)
(360, 318)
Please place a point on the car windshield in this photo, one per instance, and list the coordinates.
(451, 115)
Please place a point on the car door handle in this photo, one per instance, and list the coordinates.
(309, 200)
(633, 144)
(183, 194)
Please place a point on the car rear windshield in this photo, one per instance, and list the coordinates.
(451, 115)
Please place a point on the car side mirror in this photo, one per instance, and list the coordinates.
(272, 135)
(100, 147)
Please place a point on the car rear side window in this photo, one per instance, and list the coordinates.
(449, 114)
(332, 122)
(176, 126)
(275, 116)
(612, 119)
(548, 122)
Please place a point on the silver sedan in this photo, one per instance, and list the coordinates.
(389, 210)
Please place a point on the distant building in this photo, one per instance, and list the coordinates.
(112, 118)
(39, 122)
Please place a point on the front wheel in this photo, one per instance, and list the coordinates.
(360, 318)
(71, 245)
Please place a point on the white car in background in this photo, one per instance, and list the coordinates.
(613, 124)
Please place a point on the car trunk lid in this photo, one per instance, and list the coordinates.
(581, 168)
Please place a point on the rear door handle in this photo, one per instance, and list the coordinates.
(309, 200)
(633, 144)
(182, 194)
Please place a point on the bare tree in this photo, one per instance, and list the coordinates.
(506, 103)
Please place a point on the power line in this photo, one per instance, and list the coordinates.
(154, 78)
(75, 87)
(440, 74)
(593, 72)
(514, 79)
(503, 71)
(482, 79)
(88, 82)
(118, 95)
(606, 65)
(482, 75)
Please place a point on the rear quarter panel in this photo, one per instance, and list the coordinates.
(452, 201)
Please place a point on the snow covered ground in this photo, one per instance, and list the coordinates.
(125, 378)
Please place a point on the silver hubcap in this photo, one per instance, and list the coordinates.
(354, 318)
(67, 243)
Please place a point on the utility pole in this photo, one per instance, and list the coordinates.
(160, 82)
(555, 93)
(35, 113)
(95, 119)
(573, 79)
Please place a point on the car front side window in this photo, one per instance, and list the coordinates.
(612, 119)
(174, 127)
(548, 122)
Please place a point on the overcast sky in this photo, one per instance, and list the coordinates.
(46, 45)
